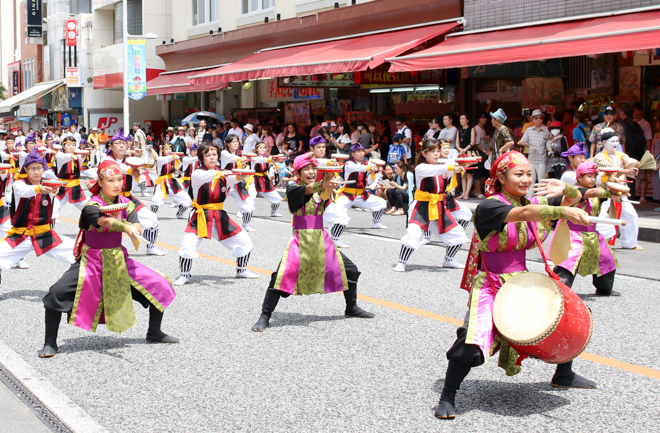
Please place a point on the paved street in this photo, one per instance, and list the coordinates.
(313, 369)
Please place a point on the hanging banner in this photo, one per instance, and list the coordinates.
(297, 112)
(319, 80)
(381, 76)
(33, 18)
(276, 94)
(137, 69)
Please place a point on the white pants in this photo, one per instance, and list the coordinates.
(4, 228)
(180, 197)
(538, 173)
(455, 236)
(143, 179)
(10, 256)
(333, 214)
(148, 219)
(373, 203)
(246, 205)
(59, 204)
(629, 232)
(95, 157)
(272, 196)
(240, 244)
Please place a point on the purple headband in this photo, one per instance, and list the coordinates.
(356, 147)
(575, 150)
(32, 158)
(316, 140)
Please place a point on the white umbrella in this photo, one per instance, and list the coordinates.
(196, 117)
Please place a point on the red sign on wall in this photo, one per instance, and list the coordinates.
(70, 33)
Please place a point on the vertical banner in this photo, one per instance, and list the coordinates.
(33, 18)
(137, 69)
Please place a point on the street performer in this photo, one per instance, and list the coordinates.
(117, 151)
(167, 185)
(434, 209)
(242, 192)
(311, 262)
(505, 224)
(209, 221)
(31, 218)
(188, 165)
(610, 157)
(262, 183)
(98, 287)
(589, 252)
(356, 194)
(67, 168)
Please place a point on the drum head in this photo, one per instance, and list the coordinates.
(4, 166)
(527, 308)
(81, 152)
(618, 187)
(330, 169)
(114, 207)
(340, 156)
(378, 162)
(135, 162)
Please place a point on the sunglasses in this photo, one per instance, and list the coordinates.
(398, 124)
(538, 117)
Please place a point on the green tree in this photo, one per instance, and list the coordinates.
(3, 92)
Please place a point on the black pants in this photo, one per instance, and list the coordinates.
(603, 284)
(397, 197)
(469, 354)
(62, 294)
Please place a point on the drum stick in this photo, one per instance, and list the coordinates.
(346, 182)
(599, 220)
(633, 202)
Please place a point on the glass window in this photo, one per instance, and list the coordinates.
(203, 12)
(134, 20)
(254, 6)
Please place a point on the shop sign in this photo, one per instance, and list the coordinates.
(137, 69)
(110, 121)
(429, 98)
(298, 113)
(319, 80)
(73, 77)
(34, 18)
(360, 116)
(549, 68)
(381, 76)
(70, 33)
(630, 78)
(290, 94)
(27, 110)
(15, 83)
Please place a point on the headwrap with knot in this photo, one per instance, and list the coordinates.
(575, 150)
(501, 165)
(119, 136)
(356, 147)
(194, 146)
(109, 167)
(304, 160)
(316, 140)
(586, 168)
(32, 158)
(31, 137)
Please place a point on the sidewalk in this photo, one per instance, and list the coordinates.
(16, 416)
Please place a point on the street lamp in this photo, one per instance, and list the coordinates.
(125, 77)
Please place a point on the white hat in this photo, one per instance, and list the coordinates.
(95, 129)
(324, 124)
(537, 112)
(249, 127)
(333, 124)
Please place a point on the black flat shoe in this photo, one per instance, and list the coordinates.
(575, 382)
(48, 351)
(612, 293)
(445, 410)
(359, 313)
(262, 323)
(164, 338)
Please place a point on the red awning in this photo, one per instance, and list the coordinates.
(166, 84)
(338, 56)
(626, 32)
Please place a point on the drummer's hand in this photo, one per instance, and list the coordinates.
(4, 172)
(328, 176)
(461, 152)
(43, 189)
(74, 157)
(549, 188)
(132, 231)
(459, 169)
(373, 168)
(240, 177)
(616, 198)
(135, 172)
(226, 173)
(334, 163)
(577, 216)
(330, 183)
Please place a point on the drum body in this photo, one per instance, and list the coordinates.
(542, 318)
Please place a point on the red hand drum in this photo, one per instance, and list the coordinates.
(542, 318)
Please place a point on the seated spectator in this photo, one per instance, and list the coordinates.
(378, 187)
(400, 194)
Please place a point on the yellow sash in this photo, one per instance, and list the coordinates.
(202, 230)
(184, 178)
(433, 200)
(125, 193)
(70, 183)
(161, 179)
(24, 231)
(348, 190)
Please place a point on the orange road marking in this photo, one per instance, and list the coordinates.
(637, 369)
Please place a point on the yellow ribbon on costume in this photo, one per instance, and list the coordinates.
(161, 179)
(21, 176)
(202, 230)
(70, 183)
(347, 190)
(184, 178)
(215, 180)
(25, 231)
(453, 184)
(249, 180)
(2, 203)
(433, 200)
(125, 193)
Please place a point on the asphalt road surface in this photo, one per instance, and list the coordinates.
(313, 369)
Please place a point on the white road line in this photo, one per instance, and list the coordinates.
(55, 400)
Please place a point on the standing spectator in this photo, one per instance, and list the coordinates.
(355, 132)
(83, 133)
(217, 140)
(375, 140)
(581, 131)
(502, 140)
(269, 140)
(449, 131)
(366, 140)
(222, 132)
(236, 129)
(343, 142)
(93, 140)
(567, 123)
(655, 150)
(385, 137)
(293, 138)
(251, 140)
(535, 139)
(465, 144)
(201, 131)
(636, 145)
(397, 152)
(140, 140)
(638, 117)
(596, 134)
(190, 139)
(332, 130)
(103, 140)
(72, 132)
(556, 145)
(319, 124)
(481, 144)
(406, 133)
(434, 128)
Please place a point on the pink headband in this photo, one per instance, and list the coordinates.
(304, 160)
